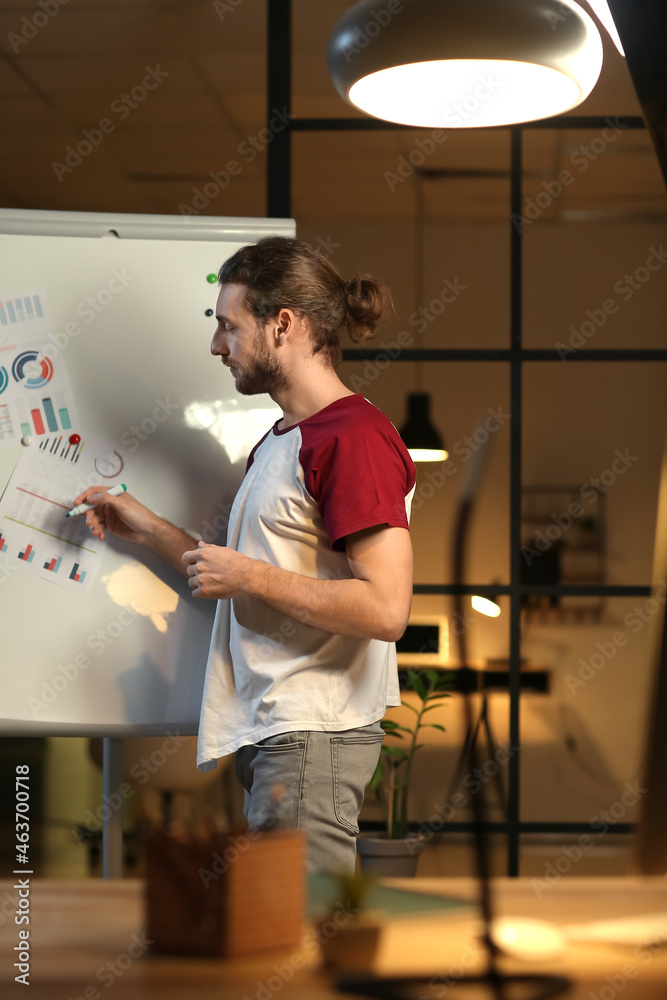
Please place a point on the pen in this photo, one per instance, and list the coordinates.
(115, 491)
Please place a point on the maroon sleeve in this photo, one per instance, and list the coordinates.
(359, 476)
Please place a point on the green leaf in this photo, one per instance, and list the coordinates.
(394, 728)
(434, 725)
(406, 704)
(431, 708)
(417, 684)
(433, 676)
(394, 752)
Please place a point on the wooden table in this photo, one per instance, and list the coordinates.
(86, 938)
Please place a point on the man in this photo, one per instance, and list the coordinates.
(318, 561)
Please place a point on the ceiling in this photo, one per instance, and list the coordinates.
(200, 70)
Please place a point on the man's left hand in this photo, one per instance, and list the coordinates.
(214, 571)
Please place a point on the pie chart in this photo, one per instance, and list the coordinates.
(34, 372)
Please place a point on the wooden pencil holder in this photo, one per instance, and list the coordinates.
(225, 896)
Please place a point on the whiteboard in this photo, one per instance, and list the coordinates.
(128, 656)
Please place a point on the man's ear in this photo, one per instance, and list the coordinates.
(285, 320)
(284, 324)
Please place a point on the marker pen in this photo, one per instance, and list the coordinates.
(115, 491)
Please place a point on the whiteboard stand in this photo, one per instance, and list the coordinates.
(136, 369)
(112, 823)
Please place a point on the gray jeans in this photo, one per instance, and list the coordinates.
(315, 782)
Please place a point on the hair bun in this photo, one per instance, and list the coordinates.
(367, 299)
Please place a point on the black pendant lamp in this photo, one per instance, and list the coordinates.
(420, 436)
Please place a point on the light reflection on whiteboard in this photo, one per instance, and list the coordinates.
(236, 430)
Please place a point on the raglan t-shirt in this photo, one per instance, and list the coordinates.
(307, 486)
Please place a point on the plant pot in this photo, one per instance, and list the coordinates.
(391, 858)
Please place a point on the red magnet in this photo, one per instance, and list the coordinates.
(75, 439)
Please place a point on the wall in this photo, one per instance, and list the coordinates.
(583, 741)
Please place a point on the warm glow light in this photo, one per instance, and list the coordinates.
(472, 64)
(485, 606)
(200, 415)
(601, 8)
(136, 586)
(235, 429)
(527, 939)
(460, 93)
(428, 454)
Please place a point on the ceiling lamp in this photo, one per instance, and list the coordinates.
(486, 605)
(419, 435)
(464, 63)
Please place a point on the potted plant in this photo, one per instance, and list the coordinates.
(396, 852)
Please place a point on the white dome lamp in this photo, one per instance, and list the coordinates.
(465, 63)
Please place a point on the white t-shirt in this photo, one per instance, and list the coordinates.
(306, 487)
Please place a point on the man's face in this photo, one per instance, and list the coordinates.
(244, 344)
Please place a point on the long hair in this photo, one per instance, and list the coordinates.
(283, 272)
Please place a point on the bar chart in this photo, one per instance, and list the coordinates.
(21, 310)
(47, 478)
(53, 565)
(65, 446)
(6, 426)
(76, 574)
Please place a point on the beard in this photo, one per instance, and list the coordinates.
(265, 373)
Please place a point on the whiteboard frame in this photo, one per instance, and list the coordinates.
(121, 227)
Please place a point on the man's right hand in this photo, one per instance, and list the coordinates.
(124, 516)
(121, 515)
